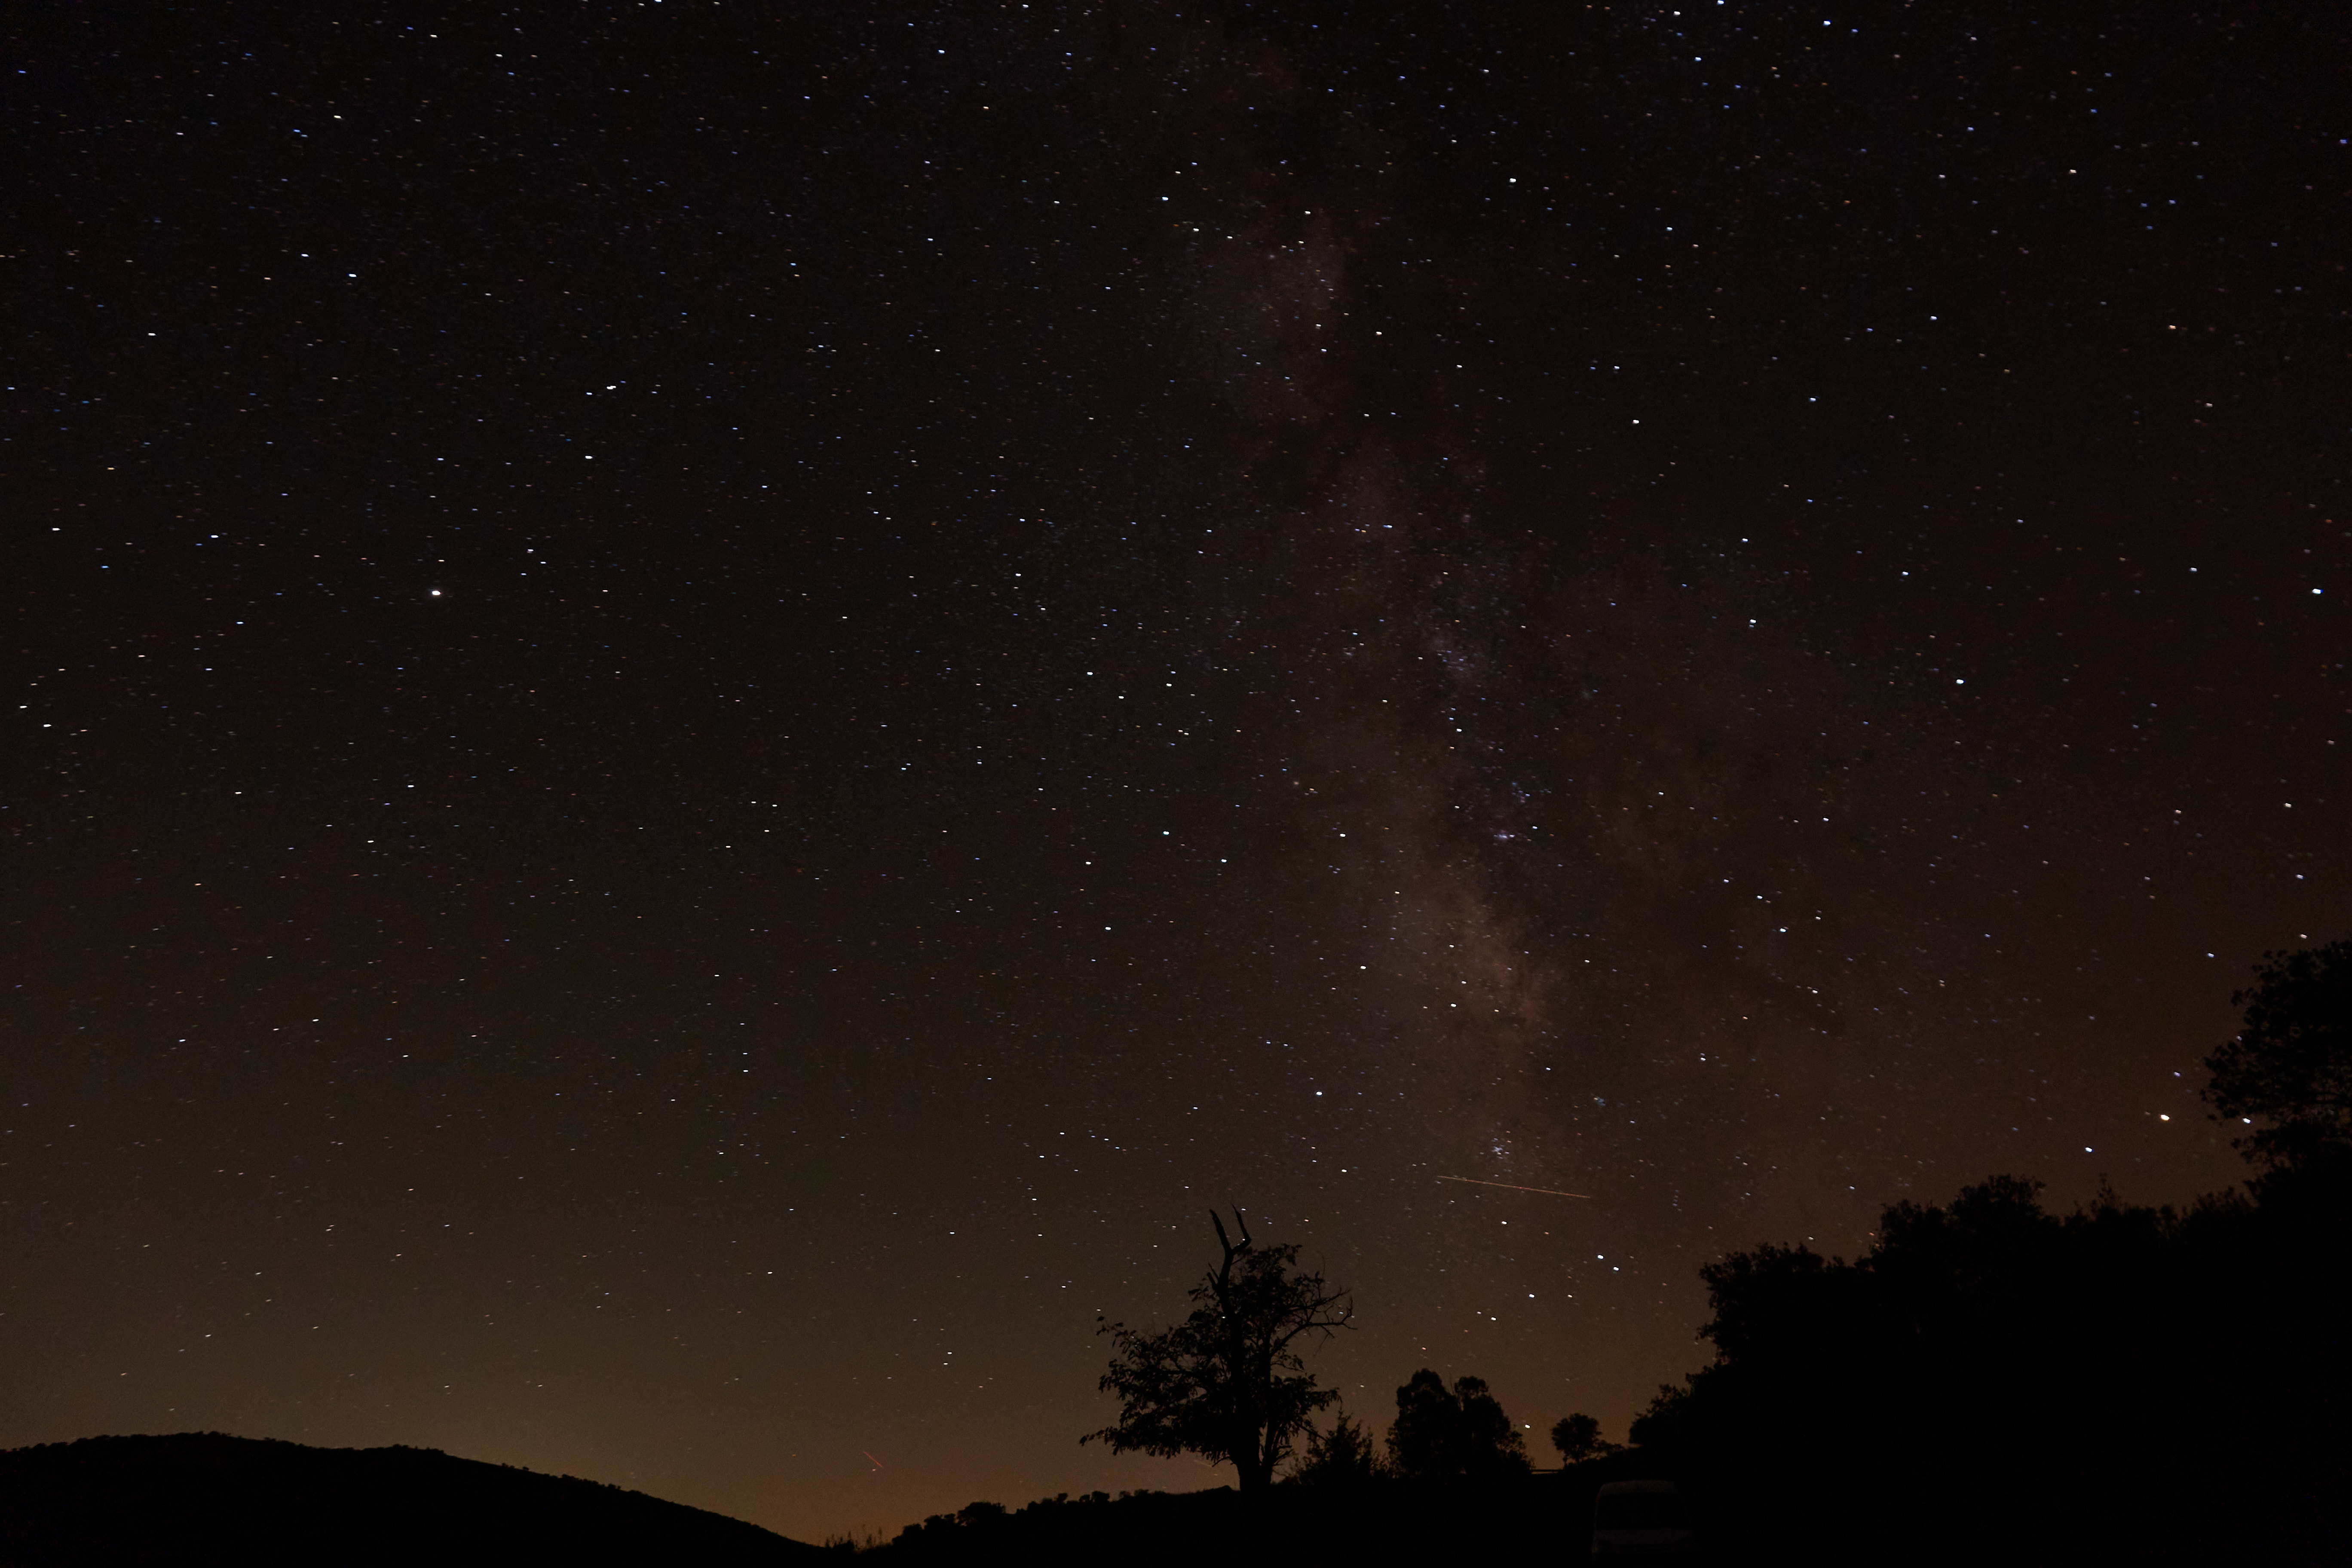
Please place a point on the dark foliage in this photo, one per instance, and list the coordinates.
(1228, 1383)
(2118, 1382)
(1458, 1434)
(1577, 1438)
(1527, 1518)
(1345, 1457)
(2289, 1069)
(975, 1526)
(202, 1498)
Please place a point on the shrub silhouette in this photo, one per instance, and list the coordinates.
(1343, 1457)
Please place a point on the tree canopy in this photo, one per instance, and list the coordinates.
(2288, 1071)
(1227, 1382)
(2156, 1358)
(1459, 1433)
(1577, 1438)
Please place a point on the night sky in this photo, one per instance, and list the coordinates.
(718, 704)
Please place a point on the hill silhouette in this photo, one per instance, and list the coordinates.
(204, 1498)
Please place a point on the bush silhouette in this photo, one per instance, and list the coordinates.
(1342, 1458)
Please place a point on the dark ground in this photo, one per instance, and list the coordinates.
(1541, 1519)
(1783, 1507)
(201, 1498)
(204, 1497)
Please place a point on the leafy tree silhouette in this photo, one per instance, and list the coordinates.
(1227, 1382)
(2291, 1065)
(1456, 1435)
(1577, 1438)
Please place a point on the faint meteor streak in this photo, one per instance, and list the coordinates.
(1510, 1187)
(878, 1464)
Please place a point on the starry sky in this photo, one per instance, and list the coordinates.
(717, 705)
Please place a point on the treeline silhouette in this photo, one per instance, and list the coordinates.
(1452, 1473)
(1531, 1516)
(201, 1498)
(2120, 1383)
(1991, 1382)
